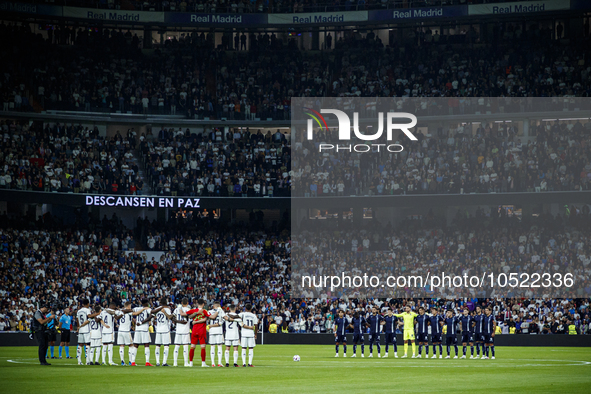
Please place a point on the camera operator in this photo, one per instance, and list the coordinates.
(40, 321)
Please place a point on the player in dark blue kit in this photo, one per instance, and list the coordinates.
(478, 320)
(422, 332)
(390, 323)
(451, 335)
(488, 333)
(467, 337)
(436, 322)
(359, 325)
(340, 333)
(374, 323)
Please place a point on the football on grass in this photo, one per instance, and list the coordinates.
(296, 358)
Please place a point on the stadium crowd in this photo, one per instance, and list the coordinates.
(190, 77)
(46, 260)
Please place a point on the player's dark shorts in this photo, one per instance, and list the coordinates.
(488, 338)
(390, 337)
(51, 337)
(358, 338)
(477, 337)
(422, 337)
(435, 338)
(65, 336)
(453, 340)
(467, 337)
(198, 339)
(341, 339)
(374, 338)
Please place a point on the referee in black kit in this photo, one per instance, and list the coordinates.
(40, 330)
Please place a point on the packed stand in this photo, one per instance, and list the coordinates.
(464, 158)
(256, 75)
(247, 164)
(67, 158)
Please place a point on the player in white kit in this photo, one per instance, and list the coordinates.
(108, 318)
(248, 334)
(96, 325)
(83, 330)
(231, 324)
(182, 335)
(163, 317)
(216, 333)
(124, 317)
(142, 334)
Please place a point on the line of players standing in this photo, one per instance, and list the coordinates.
(477, 329)
(96, 329)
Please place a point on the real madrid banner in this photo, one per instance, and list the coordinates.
(518, 7)
(113, 15)
(317, 18)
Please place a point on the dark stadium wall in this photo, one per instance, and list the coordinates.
(22, 339)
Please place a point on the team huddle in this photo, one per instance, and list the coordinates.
(477, 329)
(96, 330)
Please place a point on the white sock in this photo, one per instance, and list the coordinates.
(122, 353)
(243, 356)
(250, 356)
(91, 354)
(165, 359)
(235, 356)
(157, 355)
(175, 356)
(186, 353)
(227, 356)
(220, 354)
(147, 353)
(132, 353)
(104, 353)
(79, 354)
(212, 354)
(110, 352)
(97, 355)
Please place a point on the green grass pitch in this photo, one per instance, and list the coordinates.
(525, 369)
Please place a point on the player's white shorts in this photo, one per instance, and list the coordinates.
(95, 342)
(108, 338)
(84, 338)
(162, 338)
(232, 342)
(182, 339)
(141, 337)
(216, 339)
(247, 342)
(124, 338)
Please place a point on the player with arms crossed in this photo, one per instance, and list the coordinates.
(436, 322)
(467, 336)
(340, 332)
(82, 316)
(422, 334)
(451, 334)
(199, 334)
(231, 324)
(248, 334)
(108, 332)
(408, 317)
(182, 335)
(488, 333)
(374, 322)
(124, 318)
(390, 324)
(142, 335)
(358, 324)
(162, 316)
(478, 329)
(216, 333)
